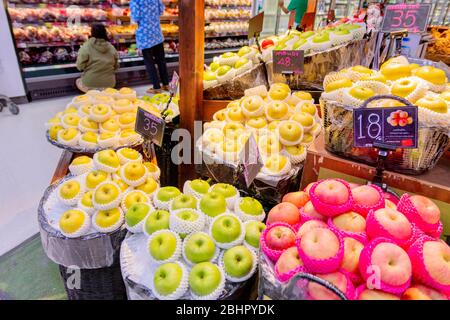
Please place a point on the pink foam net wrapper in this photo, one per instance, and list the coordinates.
(322, 266)
(363, 209)
(360, 290)
(355, 278)
(330, 210)
(284, 277)
(365, 261)
(420, 273)
(406, 207)
(349, 290)
(272, 254)
(375, 230)
(360, 236)
(304, 217)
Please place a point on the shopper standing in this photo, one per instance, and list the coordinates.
(149, 39)
(98, 61)
(299, 6)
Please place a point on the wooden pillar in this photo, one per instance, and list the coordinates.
(191, 62)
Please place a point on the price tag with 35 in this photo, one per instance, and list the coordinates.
(412, 17)
(150, 126)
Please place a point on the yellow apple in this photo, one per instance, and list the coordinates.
(95, 177)
(277, 110)
(394, 71)
(90, 137)
(86, 123)
(220, 115)
(431, 74)
(69, 189)
(72, 221)
(68, 134)
(108, 157)
(290, 132)
(53, 131)
(278, 93)
(275, 163)
(403, 87)
(81, 160)
(149, 186)
(305, 119)
(135, 196)
(361, 93)
(302, 95)
(379, 77)
(107, 218)
(434, 103)
(338, 84)
(257, 123)
(361, 69)
(110, 125)
(106, 193)
(235, 114)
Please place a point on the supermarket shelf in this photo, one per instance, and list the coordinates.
(229, 35)
(226, 20)
(228, 7)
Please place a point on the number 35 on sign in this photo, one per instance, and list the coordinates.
(150, 126)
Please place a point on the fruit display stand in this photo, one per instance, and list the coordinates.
(434, 184)
(95, 256)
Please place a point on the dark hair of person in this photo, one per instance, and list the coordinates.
(98, 31)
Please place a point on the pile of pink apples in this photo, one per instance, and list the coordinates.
(367, 246)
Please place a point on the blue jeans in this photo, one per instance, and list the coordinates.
(152, 56)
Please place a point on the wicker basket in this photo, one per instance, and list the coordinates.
(96, 256)
(338, 133)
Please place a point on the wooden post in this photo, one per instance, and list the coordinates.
(191, 61)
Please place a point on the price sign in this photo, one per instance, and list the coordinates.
(173, 85)
(255, 25)
(412, 17)
(150, 126)
(288, 61)
(250, 160)
(394, 127)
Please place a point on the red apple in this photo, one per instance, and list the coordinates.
(389, 223)
(289, 260)
(309, 225)
(309, 211)
(266, 43)
(427, 209)
(350, 222)
(284, 212)
(373, 294)
(332, 192)
(308, 187)
(366, 195)
(298, 198)
(421, 292)
(340, 281)
(280, 238)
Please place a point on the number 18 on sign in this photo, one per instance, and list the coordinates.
(392, 127)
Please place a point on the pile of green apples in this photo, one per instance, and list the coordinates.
(198, 239)
(160, 100)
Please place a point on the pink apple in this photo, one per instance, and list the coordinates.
(352, 250)
(391, 261)
(320, 243)
(289, 260)
(389, 204)
(308, 187)
(427, 209)
(332, 192)
(436, 259)
(309, 225)
(298, 198)
(319, 292)
(311, 212)
(421, 292)
(284, 212)
(373, 294)
(353, 185)
(280, 238)
(388, 223)
(366, 195)
(350, 222)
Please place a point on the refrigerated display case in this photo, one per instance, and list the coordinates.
(342, 8)
(48, 34)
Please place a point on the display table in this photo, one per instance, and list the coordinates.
(435, 184)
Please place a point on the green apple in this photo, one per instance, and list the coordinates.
(157, 220)
(212, 204)
(299, 43)
(223, 70)
(241, 62)
(167, 278)
(184, 201)
(226, 228)
(321, 37)
(253, 230)
(227, 190)
(351, 26)
(228, 55)
(204, 278)
(341, 32)
(244, 50)
(162, 246)
(307, 34)
(136, 213)
(214, 66)
(187, 215)
(199, 248)
(238, 261)
(168, 193)
(200, 186)
(250, 206)
(209, 76)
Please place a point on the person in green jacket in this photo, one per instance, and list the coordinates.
(98, 61)
(299, 6)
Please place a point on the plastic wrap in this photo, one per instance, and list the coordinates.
(79, 149)
(234, 88)
(138, 270)
(295, 289)
(269, 189)
(433, 140)
(92, 251)
(318, 65)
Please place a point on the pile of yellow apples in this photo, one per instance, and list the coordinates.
(424, 86)
(101, 189)
(99, 120)
(282, 122)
